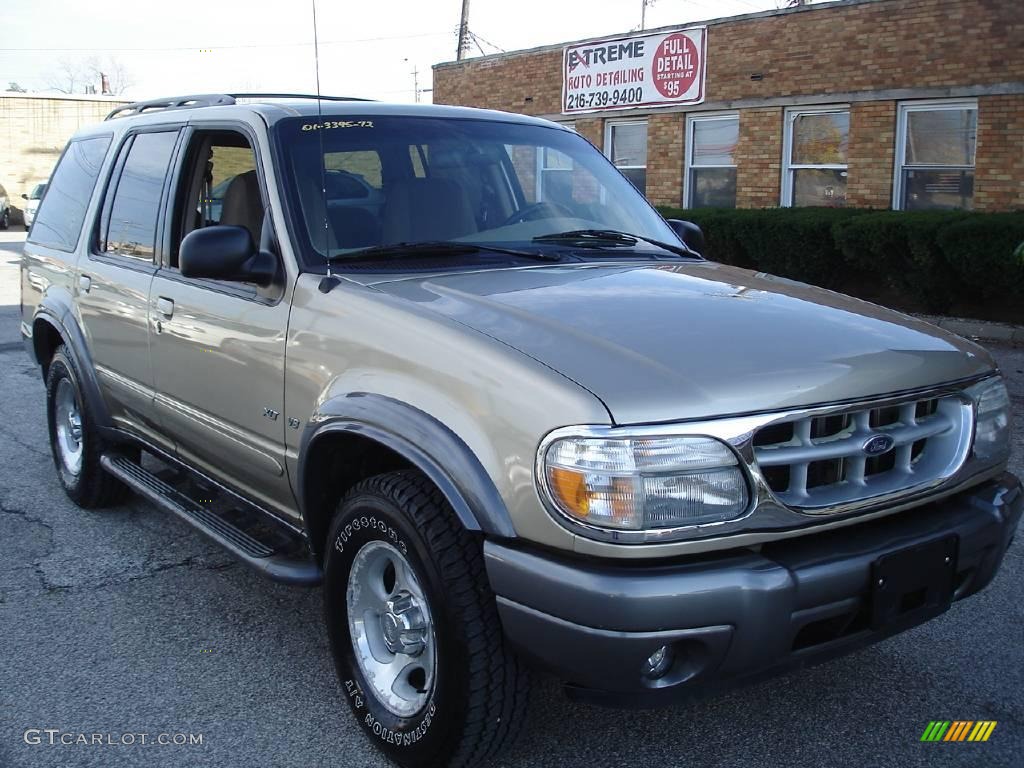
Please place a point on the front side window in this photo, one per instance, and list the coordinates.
(61, 214)
(474, 182)
(935, 156)
(711, 161)
(626, 146)
(220, 185)
(815, 161)
(129, 223)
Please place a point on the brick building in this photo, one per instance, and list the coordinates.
(908, 104)
(33, 131)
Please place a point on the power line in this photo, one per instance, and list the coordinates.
(222, 47)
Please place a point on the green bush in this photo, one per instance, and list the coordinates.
(791, 242)
(900, 248)
(984, 254)
(945, 262)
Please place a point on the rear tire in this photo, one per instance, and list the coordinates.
(75, 441)
(395, 539)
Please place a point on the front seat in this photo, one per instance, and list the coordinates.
(426, 209)
(242, 205)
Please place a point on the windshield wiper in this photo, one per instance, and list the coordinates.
(611, 238)
(436, 248)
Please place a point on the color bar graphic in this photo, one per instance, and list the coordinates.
(958, 730)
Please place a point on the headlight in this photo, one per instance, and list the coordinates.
(992, 427)
(643, 483)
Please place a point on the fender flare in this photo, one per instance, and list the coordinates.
(421, 440)
(59, 316)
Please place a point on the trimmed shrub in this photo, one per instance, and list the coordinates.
(791, 242)
(900, 249)
(983, 251)
(970, 264)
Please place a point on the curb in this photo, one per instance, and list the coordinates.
(978, 329)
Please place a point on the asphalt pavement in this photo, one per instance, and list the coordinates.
(126, 621)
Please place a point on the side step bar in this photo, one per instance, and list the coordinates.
(287, 569)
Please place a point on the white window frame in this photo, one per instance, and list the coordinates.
(899, 161)
(609, 126)
(539, 173)
(791, 114)
(688, 164)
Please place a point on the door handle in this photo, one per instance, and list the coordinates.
(84, 283)
(165, 307)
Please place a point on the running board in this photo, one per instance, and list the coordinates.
(278, 566)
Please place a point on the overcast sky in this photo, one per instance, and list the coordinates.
(367, 48)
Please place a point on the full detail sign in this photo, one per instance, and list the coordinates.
(642, 71)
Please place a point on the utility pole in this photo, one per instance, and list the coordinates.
(643, 13)
(416, 82)
(463, 31)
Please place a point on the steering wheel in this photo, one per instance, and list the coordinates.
(536, 211)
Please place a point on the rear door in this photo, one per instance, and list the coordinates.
(218, 347)
(114, 281)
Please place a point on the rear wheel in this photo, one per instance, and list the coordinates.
(414, 627)
(75, 441)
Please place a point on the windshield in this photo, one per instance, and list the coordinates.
(408, 180)
(37, 192)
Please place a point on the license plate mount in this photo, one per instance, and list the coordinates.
(913, 584)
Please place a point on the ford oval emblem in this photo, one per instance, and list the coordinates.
(876, 445)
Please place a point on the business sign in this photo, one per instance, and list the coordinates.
(643, 71)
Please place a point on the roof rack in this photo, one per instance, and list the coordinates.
(295, 96)
(210, 100)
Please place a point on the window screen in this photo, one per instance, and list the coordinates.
(815, 162)
(712, 161)
(936, 170)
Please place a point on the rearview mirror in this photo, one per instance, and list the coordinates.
(225, 252)
(689, 233)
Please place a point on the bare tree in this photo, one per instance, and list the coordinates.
(70, 77)
(95, 74)
(118, 78)
(13, 87)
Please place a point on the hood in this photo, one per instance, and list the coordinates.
(659, 342)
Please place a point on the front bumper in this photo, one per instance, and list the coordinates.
(737, 615)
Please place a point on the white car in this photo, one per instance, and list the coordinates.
(32, 203)
(5, 209)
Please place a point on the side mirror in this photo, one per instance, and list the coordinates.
(689, 233)
(225, 252)
(24, 196)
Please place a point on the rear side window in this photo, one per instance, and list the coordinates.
(130, 225)
(60, 216)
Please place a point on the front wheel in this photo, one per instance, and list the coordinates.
(75, 440)
(414, 627)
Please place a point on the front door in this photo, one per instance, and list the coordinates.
(218, 347)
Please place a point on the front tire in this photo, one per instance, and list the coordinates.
(75, 440)
(414, 627)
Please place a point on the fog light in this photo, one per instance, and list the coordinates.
(658, 663)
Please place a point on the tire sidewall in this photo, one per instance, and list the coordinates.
(62, 368)
(415, 740)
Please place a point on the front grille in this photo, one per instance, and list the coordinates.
(819, 462)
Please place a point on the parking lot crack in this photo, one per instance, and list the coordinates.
(10, 436)
(37, 563)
